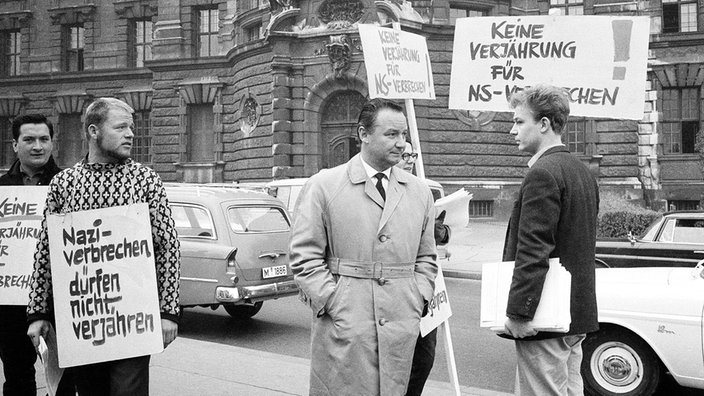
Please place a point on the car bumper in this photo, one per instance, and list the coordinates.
(255, 293)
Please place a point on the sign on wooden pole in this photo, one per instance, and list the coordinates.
(600, 60)
(398, 67)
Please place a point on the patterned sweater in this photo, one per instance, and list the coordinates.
(97, 186)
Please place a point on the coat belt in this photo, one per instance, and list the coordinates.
(370, 269)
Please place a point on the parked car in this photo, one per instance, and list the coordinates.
(287, 190)
(234, 247)
(674, 240)
(650, 323)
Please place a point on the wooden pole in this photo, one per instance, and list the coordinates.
(420, 172)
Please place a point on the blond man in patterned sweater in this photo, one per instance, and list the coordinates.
(107, 177)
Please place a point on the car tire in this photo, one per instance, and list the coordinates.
(243, 311)
(618, 362)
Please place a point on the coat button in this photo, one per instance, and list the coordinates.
(383, 238)
(382, 322)
(381, 281)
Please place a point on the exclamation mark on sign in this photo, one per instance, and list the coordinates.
(622, 46)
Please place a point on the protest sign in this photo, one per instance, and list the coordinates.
(104, 283)
(397, 64)
(600, 60)
(438, 307)
(21, 212)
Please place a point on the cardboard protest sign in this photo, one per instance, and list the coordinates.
(104, 283)
(601, 60)
(397, 64)
(21, 212)
(438, 307)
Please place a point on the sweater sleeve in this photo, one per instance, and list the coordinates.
(40, 306)
(167, 254)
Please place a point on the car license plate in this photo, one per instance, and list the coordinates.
(273, 272)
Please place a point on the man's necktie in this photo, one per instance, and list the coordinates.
(380, 187)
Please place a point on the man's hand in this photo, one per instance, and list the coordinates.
(169, 330)
(37, 329)
(519, 329)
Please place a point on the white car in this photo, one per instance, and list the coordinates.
(650, 323)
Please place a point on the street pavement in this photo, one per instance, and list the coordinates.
(192, 367)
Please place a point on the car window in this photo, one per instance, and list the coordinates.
(667, 231)
(651, 231)
(192, 221)
(257, 219)
(437, 194)
(688, 231)
(295, 192)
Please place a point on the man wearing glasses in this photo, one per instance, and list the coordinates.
(408, 158)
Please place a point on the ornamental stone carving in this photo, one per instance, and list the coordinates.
(341, 10)
(339, 52)
(249, 115)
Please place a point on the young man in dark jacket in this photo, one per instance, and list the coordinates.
(32, 136)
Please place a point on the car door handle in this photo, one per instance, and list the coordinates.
(273, 255)
(699, 251)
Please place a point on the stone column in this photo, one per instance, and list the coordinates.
(169, 38)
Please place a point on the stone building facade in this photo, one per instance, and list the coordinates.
(250, 90)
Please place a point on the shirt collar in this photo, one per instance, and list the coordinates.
(371, 171)
(537, 155)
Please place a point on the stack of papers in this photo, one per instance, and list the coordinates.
(553, 313)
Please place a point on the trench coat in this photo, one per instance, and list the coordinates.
(364, 330)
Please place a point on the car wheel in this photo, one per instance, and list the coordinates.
(243, 311)
(617, 362)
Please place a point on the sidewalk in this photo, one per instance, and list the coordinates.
(470, 247)
(190, 367)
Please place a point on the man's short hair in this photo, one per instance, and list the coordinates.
(97, 112)
(545, 101)
(367, 116)
(30, 119)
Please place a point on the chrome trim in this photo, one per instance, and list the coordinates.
(649, 258)
(272, 289)
(199, 280)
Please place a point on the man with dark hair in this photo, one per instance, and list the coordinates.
(363, 256)
(554, 216)
(107, 177)
(32, 142)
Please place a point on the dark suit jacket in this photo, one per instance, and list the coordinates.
(555, 216)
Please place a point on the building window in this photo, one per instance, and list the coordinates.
(207, 40)
(679, 16)
(247, 5)
(73, 42)
(481, 208)
(574, 137)
(8, 154)
(680, 119)
(566, 7)
(252, 32)
(464, 12)
(10, 49)
(142, 143)
(682, 204)
(69, 139)
(201, 134)
(140, 42)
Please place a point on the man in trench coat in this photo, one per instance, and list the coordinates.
(363, 255)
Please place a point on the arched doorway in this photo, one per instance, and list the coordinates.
(338, 127)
